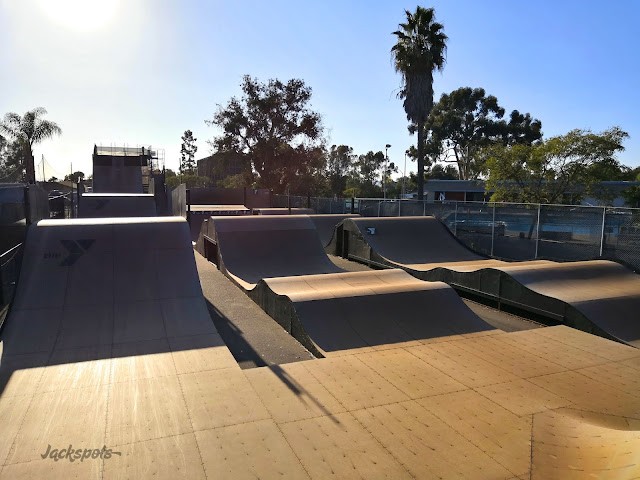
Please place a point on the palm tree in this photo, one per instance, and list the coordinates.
(420, 50)
(27, 131)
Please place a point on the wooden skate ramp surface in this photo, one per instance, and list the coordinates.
(360, 310)
(326, 225)
(599, 296)
(108, 205)
(257, 247)
(281, 263)
(128, 360)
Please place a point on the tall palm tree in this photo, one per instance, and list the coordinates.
(420, 50)
(29, 130)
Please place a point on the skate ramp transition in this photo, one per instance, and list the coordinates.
(95, 289)
(281, 264)
(326, 224)
(109, 205)
(597, 296)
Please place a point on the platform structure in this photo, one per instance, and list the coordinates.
(596, 296)
(129, 363)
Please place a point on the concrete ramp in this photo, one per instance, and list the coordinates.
(596, 296)
(281, 264)
(110, 205)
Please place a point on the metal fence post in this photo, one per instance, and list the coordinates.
(379, 208)
(604, 215)
(424, 208)
(537, 232)
(455, 220)
(399, 203)
(493, 227)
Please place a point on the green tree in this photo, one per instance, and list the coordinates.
(168, 173)
(75, 177)
(632, 194)
(29, 130)
(339, 159)
(12, 165)
(543, 172)
(420, 49)
(188, 151)
(364, 175)
(466, 121)
(274, 130)
(192, 181)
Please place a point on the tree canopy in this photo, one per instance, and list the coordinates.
(12, 165)
(274, 129)
(420, 49)
(188, 151)
(75, 176)
(339, 159)
(466, 121)
(28, 130)
(543, 172)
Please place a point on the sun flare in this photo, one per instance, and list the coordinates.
(82, 15)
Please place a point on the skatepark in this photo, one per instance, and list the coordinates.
(260, 353)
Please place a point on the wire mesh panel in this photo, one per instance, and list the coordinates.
(369, 207)
(515, 231)
(622, 236)
(570, 232)
(471, 223)
(412, 208)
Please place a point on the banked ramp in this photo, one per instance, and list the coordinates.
(281, 264)
(597, 296)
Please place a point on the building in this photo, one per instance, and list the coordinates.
(475, 191)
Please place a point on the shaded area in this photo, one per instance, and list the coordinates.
(253, 338)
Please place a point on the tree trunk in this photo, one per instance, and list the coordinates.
(420, 162)
(29, 165)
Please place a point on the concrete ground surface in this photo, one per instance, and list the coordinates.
(148, 388)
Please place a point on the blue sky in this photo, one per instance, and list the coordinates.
(143, 71)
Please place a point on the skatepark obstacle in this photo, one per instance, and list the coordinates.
(597, 296)
(281, 264)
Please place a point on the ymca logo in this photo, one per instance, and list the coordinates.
(75, 249)
(100, 203)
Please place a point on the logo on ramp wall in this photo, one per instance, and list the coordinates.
(74, 249)
(100, 203)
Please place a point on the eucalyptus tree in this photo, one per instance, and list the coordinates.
(28, 130)
(419, 51)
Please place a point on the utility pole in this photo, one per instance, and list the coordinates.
(384, 174)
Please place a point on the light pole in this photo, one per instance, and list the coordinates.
(384, 174)
(404, 175)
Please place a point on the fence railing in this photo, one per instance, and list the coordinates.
(515, 231)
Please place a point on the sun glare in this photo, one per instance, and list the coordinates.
(82, 15)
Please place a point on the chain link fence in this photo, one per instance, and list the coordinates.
(319, 205)
(529, 231)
